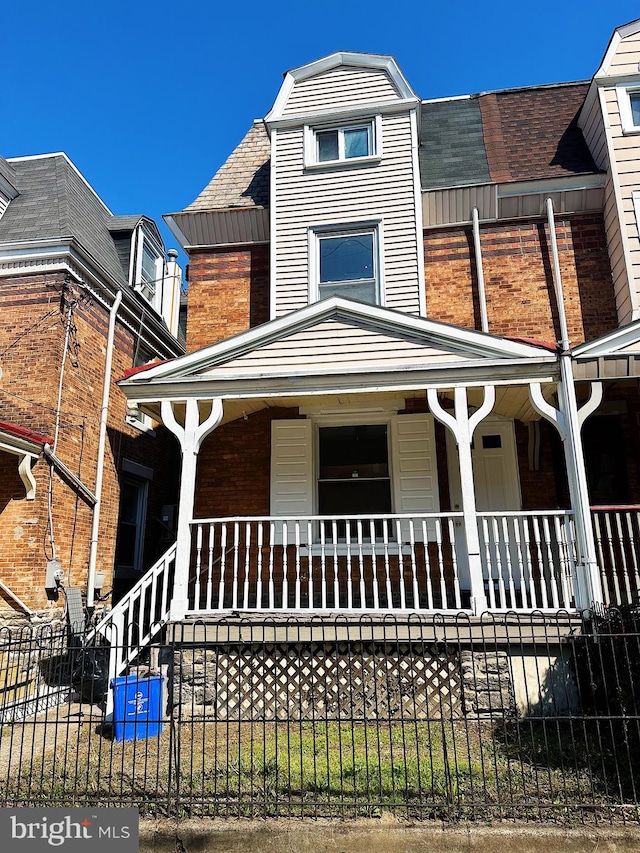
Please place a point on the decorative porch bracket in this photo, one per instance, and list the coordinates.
(190, 436)
(462, 426)
(568, 420)
(25, 461)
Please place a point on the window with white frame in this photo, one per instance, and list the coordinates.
(347, 264)
(342, 144)
(629, 106)
(149, 268)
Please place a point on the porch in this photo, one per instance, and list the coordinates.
(382, 562)
(458, 502)
(406, 563)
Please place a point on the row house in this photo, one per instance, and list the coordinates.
(87, 487)
(411, 380)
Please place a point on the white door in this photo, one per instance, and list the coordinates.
(497, 487)
(495, 467)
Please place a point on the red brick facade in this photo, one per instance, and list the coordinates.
(228, 293)
(32, 334)
(518, 278)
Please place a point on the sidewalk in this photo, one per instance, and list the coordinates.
(385, 835)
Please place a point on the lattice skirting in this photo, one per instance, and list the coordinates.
(316, 681)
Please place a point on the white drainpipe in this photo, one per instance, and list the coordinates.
(589, 587)
(562, 317)
(102, 440)
(479, 270)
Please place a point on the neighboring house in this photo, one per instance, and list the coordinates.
(84, 295)
(413, 337)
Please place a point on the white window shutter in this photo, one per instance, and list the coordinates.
(291, 468)
(415, 469)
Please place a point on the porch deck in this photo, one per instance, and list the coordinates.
(506, 629)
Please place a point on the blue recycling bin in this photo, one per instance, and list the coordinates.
(137, 706)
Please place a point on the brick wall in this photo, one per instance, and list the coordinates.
(32, 333)
(228, 293)
(234, 466)
(518, 278)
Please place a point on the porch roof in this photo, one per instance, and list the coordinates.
(612, 356)
(340, 346)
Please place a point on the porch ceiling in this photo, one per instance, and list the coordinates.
(511, 402)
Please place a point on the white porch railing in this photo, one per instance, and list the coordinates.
(617, 534)
(380, 563)
(138, 616)
(528, 559)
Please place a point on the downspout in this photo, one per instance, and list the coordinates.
(589, 588)
(484, 320)
(102, 440)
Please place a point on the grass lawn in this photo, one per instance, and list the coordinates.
(444, 769)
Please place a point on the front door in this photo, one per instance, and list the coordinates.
(495, 467)
(497, 488)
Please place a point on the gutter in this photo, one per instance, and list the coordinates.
(102, 440)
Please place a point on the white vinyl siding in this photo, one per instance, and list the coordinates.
(625, 60)
(291, 468)
(4, 204)
(592, 126)
(305, 199)
(620, 219)
(345, 85)
(336, 344)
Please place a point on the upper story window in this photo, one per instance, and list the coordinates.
(629, 106)
(342, 144)
(347, 264)
(149, 268)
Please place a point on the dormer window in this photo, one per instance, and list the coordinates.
(149, 267)
(347, 144)
(629, 106)
(344, 143)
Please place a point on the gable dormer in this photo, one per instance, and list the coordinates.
(345, 190)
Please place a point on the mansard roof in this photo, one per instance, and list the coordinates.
(243, 180)
(55, 201)
(492, 137)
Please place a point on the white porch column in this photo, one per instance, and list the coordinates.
(190, 436)
(462, 426)
(568, 420)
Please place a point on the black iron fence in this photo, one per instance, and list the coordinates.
(511, 716)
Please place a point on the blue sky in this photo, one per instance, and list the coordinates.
(148, 99)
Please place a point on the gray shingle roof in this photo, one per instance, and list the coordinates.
(243, 180)
(490, 137)
(55, 201)
(452, 151)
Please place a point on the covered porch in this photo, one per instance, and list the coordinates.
(274, 516)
